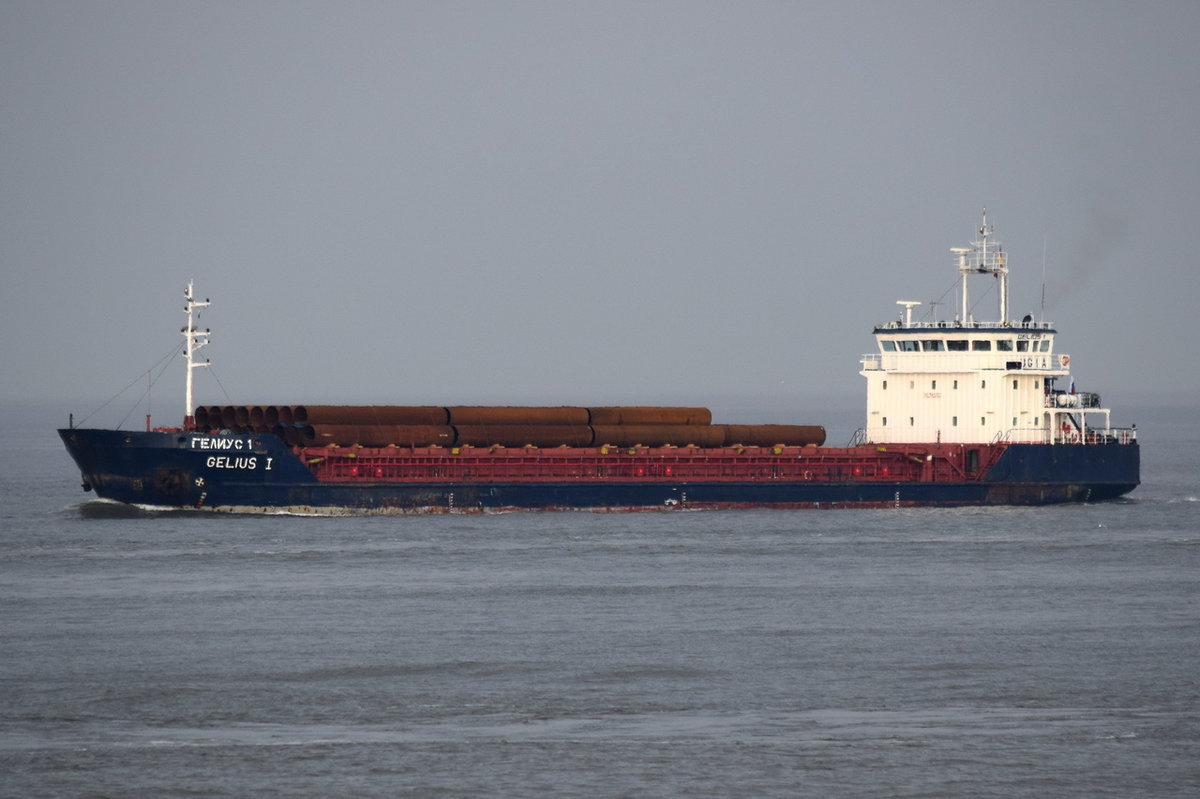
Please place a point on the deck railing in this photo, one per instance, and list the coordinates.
(1114, 435)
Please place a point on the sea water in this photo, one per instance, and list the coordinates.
(992, 652)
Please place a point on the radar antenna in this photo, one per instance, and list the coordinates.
(908, 306)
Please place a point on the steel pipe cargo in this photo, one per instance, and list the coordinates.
(516, 415)
(377, 435)
(636, 414)
(657, 435)
(519, 435)
(503, 425)
(370, 414)
(768, 435)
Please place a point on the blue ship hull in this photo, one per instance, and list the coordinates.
(239, 473)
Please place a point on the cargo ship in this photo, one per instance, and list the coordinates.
(959, 412)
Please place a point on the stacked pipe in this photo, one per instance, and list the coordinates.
(507, 426)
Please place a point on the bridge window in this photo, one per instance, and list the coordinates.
(981, 345)
(933, 345)
(1022, 346)
(957, 345)
(888, 345)
(1045, 345)
(909, 346)
(1004, 345)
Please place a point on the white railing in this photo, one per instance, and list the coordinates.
(944, 325)
(1114, 435)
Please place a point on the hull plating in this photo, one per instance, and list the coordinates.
(260, 474)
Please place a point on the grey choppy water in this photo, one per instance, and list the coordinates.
(932, 653)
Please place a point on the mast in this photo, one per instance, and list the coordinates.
(193, 340)
(983, 257)
(964, 269)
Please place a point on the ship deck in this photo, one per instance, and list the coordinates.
(926, 463)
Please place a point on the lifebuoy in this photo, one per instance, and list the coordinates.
(808, 475)
(1066, 359)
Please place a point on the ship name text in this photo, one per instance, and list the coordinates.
(208, 442)
(235, 462)
(227, 443)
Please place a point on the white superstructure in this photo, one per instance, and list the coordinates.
(970, 381)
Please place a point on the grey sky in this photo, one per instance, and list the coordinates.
(583, 203)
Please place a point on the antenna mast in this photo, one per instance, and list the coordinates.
(983, 257)
(193, 340)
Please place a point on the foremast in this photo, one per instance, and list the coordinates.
(193, 339)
